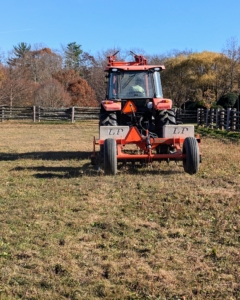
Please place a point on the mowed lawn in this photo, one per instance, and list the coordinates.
(69, 232)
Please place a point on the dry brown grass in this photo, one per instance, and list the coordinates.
(69, 232)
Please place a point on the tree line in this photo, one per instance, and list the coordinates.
(72, 77)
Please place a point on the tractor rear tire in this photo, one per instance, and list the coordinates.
(108, 118)
(110, 157)
(164, 117)
(191, 162)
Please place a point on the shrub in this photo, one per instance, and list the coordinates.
(228, 100)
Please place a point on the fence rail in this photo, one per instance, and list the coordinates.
(38, 114)
(212, 118)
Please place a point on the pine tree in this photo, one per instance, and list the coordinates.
(21, 49)
(73, 56)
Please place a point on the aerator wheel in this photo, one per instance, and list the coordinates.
(110, 157)
(108, 118)
(191, 162)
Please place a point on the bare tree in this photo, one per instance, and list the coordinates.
(51, 94)
(14, 89)
(97, 78)
(42, 64)
(232, 51)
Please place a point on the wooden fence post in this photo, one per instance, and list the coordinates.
(234, 119)
(217, 118)
(207, 114)
(198, 116)
(222, 117)
(202, 122)
(211, 118)
(34, 113)
(228, 118)
(73, 114)
(2, 113)
(39, 113)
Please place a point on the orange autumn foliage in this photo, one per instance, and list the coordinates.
(79, 90)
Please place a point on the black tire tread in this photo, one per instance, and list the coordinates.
(108, 118)
(164, 117)
(191, 162)
(110, 157)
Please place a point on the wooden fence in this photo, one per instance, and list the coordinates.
(219, 119)
(38, 114)
(212, 118)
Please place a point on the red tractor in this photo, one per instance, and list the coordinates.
(137, 124)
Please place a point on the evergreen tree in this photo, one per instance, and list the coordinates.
(19, 52)
(73, 56)
(21, 49)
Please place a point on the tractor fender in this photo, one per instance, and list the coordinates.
(162, 103)
(111, 105)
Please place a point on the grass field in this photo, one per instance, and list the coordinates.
(69, 232)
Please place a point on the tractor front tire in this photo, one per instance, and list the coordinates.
(110, 157)
(191, 162)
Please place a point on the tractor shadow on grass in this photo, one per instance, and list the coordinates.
(73, 172)
(52, 171)
(47, 172)
(49, 155)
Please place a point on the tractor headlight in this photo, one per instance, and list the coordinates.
(149, 105)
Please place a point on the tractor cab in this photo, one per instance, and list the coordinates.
(134, 80)
(134, 94)
(134, 84)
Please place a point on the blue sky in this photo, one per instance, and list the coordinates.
(154, 26)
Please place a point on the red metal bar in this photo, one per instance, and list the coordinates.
(154, 141)
(151, 156)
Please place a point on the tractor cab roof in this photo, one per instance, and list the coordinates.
(133, 67)
(139, 64)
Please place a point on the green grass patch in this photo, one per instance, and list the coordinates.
(219, 134)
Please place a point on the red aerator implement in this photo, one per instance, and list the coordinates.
(137, 124)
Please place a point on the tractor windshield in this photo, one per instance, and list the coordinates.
(134, 84)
